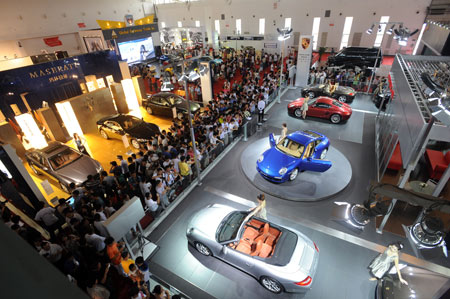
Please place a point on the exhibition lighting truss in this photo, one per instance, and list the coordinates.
(191, 74)
(284, 34)
(370, 30)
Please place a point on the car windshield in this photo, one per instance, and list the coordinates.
(290, 147)
(230, 228)
(336, 103)
(130, 122)
(174, 100)
(63, 158)
(312, 101)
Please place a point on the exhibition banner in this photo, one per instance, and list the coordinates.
(304, 60)
(130, 33)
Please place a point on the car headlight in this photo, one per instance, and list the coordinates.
(261, 158)
(282, 171)
(190, 230)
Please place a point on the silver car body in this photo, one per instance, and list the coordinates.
(300, 264)
(75, 171)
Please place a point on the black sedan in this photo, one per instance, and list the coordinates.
(162, 103)
(343, 94)
(135, 129)
(62, 164)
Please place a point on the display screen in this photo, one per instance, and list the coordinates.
(137, 50)
(71, 201)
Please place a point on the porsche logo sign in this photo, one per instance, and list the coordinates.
(305, 42)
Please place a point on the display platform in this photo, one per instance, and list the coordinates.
(309, 185)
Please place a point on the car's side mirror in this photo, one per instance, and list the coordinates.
(45, 168)
(272, 140)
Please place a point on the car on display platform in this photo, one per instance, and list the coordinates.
(62, 163)
(356, 56)
(343, 94)
(280, 258)
(136, 130)
(162, 103)
(422, 284)
(297, 152)
(322, 107)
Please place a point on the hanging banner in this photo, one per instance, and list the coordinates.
(130, 33)
(304, 60)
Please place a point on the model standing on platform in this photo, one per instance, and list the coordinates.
(80, 141)
(259, 210)
(305, 107)
(381, 265)
(284, 131)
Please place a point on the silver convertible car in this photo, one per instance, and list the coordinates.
(281, 259)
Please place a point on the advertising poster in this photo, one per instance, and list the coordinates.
(137, 50)
(304, 60)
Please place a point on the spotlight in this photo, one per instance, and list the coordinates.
(379, 28)
(403, 42)
(390, 30)
(370, 30)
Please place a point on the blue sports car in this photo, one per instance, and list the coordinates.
(299, 151)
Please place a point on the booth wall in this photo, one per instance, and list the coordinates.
(53, 81)
(411, 12)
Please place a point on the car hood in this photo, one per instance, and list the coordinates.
(183, 105)
(78, 170)
(346, 90)
(208, 219)
(142, 131)
(296, 103)
(274, 160)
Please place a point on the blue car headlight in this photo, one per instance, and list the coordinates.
(282, 171)
(261, 158)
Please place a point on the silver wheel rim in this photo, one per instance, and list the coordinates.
(311, 95)
(294, 174)
(104, 135)
(202, 249)
(342, 99)
(298, 112)
(180, 115)
(149, 110)
(335, 118)
(135, 144)
(271, 285)
(323, 154)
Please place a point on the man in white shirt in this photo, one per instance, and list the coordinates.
(153, 205)
(52, 252)
(98, 242)
(261, 107)
(98, 224)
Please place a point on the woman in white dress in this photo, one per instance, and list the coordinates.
(383, 262)
(260, 210)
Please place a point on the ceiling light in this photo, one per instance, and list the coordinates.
(370, 30)
(390, 30)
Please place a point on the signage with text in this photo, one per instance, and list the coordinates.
(129, 33)
(304, 60)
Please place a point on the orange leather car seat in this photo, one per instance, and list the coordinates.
(244, 247)
(265, 250)
(250, 234)
(264, 233)
(258, 248)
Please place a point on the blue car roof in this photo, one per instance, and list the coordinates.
(303, 137)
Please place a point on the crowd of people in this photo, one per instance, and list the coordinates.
(358, 79)
(80, 245)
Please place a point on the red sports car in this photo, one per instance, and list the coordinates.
(323, 107)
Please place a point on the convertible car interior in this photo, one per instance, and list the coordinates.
(258, 239)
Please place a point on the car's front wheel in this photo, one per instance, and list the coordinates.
(298, 112)
(180, 115)
(202, 248)
(271, 284)
(104, 135)
(323, 154)
(335, 118)
(342, 99)
(293, 174)
(135, 144)
(149, 110)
